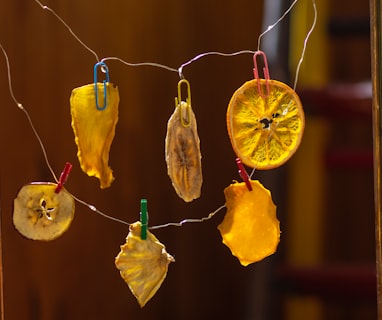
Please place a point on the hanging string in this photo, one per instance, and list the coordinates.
(202, 55)
(178, 70)
(199, 56)
(306, 43)
(68, 27)
(275, 24)
(21, 107)
(181, 223)
(90, 206)
(140, 64)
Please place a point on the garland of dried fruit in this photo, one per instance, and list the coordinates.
(265, 123)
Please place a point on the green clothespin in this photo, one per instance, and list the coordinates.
(144, 219)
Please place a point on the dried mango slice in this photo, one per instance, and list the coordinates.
(41, 214)
(183, 155)
(250, 227)
(143, 264)
(265, 131)
(94, 129)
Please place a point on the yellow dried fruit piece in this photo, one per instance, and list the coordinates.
(183, 155)
(94, 129)
(41, 214)
(143, 264)
(265, 130)
(250, 227)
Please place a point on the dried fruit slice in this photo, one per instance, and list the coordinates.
(265, 131)
(183, 155)
(250, 227)
(143, 264)
(41, 214)
(94, 129)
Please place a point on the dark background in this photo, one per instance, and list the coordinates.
(324, 197)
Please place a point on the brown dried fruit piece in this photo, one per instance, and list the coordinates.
(183, 155)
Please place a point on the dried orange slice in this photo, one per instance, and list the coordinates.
(250, 227)
(265, 126)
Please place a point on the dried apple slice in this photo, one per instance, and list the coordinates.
(42, 214)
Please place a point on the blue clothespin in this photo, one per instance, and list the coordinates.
(144, 219)
(104, 69)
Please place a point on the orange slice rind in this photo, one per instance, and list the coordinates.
(265, 130)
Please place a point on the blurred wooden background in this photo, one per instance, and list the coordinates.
(74, 277)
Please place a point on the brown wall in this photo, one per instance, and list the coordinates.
(74, 276)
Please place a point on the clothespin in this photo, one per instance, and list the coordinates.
(265, 72)
(243, 174)
(144, 219)
(105, 70)
(63, 177)
(178, 101)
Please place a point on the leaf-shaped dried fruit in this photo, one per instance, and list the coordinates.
(41, 214)
(250, 227)
(143, 264)
(94, 129)
(183, 155)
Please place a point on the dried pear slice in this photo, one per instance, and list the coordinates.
(41, 214)
(250, 227)
(94, 129)
(183, 155)
(143, 264)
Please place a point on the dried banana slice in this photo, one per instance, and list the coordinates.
(42, 214)
(250, 227)
(94, 129)
(143, 264)
(183, 155)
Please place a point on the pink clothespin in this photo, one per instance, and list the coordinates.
(243, 174)
(265, 72)
(63, 177)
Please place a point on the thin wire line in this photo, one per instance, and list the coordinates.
(68, 27)
(275, 24)
(90, 206)
(93, 208)
(21, 107)
(202, 55)
(140, 64)
(181, 223)
(305, 44)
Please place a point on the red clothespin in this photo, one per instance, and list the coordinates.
(63, 177)
(243, 174)
(265, 72)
